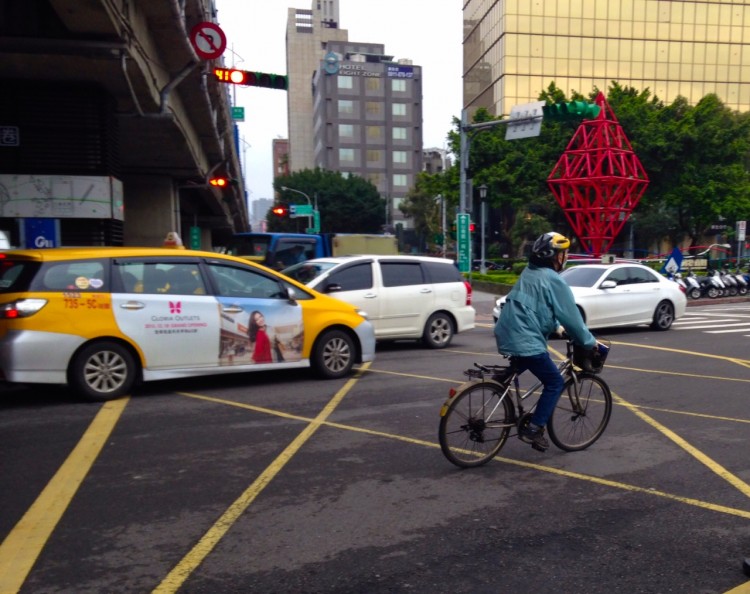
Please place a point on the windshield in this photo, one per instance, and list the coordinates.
(246, 247)
(581, 276)
(305, 272)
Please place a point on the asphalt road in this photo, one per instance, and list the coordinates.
(267, 483)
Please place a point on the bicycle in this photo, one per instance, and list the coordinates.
(478, 416)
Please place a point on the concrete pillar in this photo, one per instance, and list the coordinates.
(151, 210)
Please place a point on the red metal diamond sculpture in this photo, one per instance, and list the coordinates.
(598, 180)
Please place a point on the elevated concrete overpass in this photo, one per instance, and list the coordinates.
(113, 89)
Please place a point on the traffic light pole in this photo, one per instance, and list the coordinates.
(519, 118)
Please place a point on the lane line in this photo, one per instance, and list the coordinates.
(549, 469)
(21, 548)
(182, 571)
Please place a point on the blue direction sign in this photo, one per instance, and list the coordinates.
(463, 238)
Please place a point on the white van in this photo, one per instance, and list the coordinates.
(405, 297)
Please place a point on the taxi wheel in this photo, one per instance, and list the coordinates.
(102, 371)
(333, 354)
(438, 331)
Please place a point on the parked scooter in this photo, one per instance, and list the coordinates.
(711, 284)
(742, 284)
(730, 282)
(692, 286)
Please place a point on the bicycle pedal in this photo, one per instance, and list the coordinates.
(537, 447)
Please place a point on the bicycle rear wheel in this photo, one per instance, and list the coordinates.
(579, 420)
(476, 424)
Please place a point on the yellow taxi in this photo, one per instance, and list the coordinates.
(101, 319)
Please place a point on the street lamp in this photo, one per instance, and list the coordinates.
(309, 202)
(713, 245)
(482, 196)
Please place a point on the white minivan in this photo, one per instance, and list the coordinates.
(405, 297)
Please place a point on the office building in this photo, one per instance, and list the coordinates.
(513, 49)
(307, 33)
(368, 118)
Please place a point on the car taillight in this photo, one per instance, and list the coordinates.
(23, 308)
(468, 292)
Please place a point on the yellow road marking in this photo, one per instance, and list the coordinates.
(549, 469)
(711, 464)
(20, 549)
(210, 539)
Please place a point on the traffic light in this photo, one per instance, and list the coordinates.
(252, 79)
(570, 110)
(472, 227)
(280, 211)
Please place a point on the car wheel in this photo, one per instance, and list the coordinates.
(333, 354)
(102, 371)
(438, 331)
(663, 316)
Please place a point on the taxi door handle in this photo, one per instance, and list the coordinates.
(232, 309)
(132, 305)
(370, 295)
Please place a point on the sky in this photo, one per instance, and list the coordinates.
(428, 32)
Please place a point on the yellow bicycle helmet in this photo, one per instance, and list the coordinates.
(546, 247)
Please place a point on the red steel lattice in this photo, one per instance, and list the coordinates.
(598, 180)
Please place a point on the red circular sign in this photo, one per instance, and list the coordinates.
(208, 40)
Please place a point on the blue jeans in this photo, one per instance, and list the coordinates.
(545, 370)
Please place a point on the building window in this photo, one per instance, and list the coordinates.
(372, 84)
(373, 108)
(373, 156)
(399, 133)
(346, 106)
(346, 154)
(398, 85)
(374, 132)
(398, 109)
(399, 156)
(346, 131)
(344, 82)
(399, 179)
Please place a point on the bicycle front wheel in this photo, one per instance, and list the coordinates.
(476, 424)
(581, 416)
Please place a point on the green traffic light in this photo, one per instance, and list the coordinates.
(570, 110)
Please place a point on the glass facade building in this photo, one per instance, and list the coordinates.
(513, 49)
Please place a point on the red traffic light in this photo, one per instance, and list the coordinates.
(472, 227)
(280, 211)
(219, 182)
(252, 79)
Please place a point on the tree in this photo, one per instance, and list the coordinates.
(349, 204)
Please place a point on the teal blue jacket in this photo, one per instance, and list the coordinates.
(538, 303)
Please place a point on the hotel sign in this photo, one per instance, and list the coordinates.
(356, 70)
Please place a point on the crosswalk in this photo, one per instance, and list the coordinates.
(716, 320)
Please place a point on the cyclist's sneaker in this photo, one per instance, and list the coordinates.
(534, 435)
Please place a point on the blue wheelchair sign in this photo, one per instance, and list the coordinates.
(673, 264)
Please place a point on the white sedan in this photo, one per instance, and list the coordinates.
(626, 294)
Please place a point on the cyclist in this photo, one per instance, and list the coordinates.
(534, 309)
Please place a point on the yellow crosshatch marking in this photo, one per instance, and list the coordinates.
(24, 543)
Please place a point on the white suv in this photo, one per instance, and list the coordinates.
(405, 297)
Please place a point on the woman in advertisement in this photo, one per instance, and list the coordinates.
(259, 338)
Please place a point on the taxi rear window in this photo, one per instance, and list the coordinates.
(16, 275)
(86, 276)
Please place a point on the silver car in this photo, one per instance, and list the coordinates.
(626, 294)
